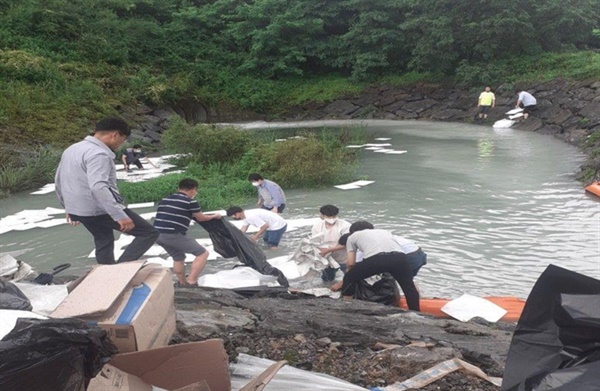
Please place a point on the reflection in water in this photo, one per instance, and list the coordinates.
(492, 208)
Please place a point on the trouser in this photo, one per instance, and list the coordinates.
(137, 162)
(416, 260)
(393, 263)
(101, 227)
(280, 208)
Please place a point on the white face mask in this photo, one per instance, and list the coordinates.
(255, 183)
(330, 221)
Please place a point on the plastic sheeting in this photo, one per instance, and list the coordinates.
(8, 319)
(230, 242)
(44, 298)
(556, 345)
(11, 297)
(287, 378)
(53, 354)
(383, 291)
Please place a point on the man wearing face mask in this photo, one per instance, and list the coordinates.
(270, 195)
(134, 155)
(331, 229)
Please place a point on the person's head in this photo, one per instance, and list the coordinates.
(235, 212)
(360, 226)
(487, 89)
(255, 179)
(329, 213)
(112, 131)
(344, 239)
(188, 186)
(137, 148)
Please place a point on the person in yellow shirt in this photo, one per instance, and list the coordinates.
(487, 100)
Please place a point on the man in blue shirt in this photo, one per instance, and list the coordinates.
(270, 195)
(173, 220)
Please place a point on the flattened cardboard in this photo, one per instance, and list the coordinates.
(98, 291)
(112, 378)
(179, 366)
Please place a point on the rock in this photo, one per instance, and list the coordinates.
(555, 115)
(300, 338)
(323, 341)
(153, 136)
(531, 124)
(152, 127)
(447, 114)
(591, 115)
(341, 108)
(419, 106)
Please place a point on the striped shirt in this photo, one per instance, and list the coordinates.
(174, 213)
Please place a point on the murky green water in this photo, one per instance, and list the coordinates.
(492, 208)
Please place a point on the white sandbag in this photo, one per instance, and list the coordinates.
(240, 277)
(8, 265)
(503, 123)
(514, 111)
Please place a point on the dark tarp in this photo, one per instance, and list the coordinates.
(230, 242)
(556, 345)
(11, 297)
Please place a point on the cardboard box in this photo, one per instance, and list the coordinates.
(195, 366)
(134, 304)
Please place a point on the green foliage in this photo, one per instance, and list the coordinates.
(27, 169)
(66, 63)
(548, 66)
(308, 158)
(206, 143)
(306, 162)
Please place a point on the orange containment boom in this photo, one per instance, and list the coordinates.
(513, 305)
(594, 188)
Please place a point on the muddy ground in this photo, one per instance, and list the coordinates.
(366, 344)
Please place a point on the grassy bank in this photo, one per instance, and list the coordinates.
(221, 159)
(51, 101)
(26, 169)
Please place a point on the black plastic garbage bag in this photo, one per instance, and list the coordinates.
(383, 291)
(11, 297)
(52, 354)
(230, 242)
(556, 345)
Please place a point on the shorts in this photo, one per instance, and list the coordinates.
(177, 245)
(484, 109)
(272, 238)
(528, 109)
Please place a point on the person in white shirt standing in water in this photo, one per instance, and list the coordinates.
(330, 229)
(270, 224)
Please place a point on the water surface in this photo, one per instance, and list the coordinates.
(492, 208)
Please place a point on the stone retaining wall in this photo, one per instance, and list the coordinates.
(569, 110)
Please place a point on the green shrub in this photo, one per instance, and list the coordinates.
(207, 144)
(304, 162)
(25, 170)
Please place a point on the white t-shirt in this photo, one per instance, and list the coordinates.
(527, 99)
(406, 245)
(331, 235)
(258, 218)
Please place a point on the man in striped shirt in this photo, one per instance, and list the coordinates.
(173, 220)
